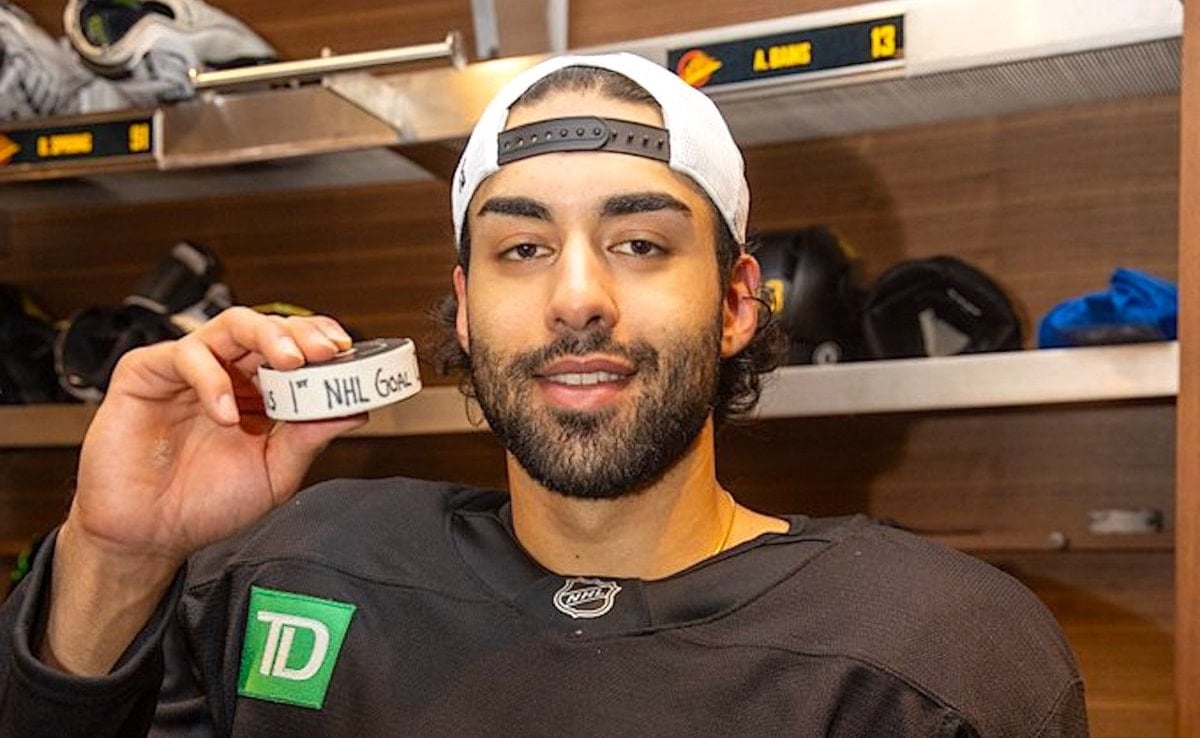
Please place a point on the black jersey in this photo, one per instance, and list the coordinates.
(405, 608)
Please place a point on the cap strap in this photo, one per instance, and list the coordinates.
(587, 133)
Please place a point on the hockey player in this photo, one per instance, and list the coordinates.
(604, 311)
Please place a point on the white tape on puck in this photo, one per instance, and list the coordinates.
(368, 375)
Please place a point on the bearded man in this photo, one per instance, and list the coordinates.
(606, 318)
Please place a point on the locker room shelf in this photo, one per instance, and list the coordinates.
(1049, 376)
(433, 411)
(1018, 378)
(965, 59)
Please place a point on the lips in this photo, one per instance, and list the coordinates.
(583, 384)
(585, 371)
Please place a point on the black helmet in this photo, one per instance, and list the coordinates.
(87, 351)
(26, 350)
(938, 306)
(810, 279)
(181, 292)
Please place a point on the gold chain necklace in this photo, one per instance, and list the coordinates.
(729, 526)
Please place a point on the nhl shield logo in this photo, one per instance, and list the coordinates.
(586, 598)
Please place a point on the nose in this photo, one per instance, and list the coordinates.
(581, 296)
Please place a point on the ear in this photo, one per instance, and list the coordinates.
(740, 307)
(460, 318)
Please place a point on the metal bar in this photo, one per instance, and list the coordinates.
(308, 69)
(487, 29)
(558, 15)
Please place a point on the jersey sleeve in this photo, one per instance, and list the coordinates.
(37, 700)
(1068, 719)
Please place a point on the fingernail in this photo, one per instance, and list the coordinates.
(288, 346)
(342, 338)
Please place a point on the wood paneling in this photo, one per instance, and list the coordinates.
(1187, 582)
(378, 257)
(1047, 203)
(1020, 474)
(35, 490)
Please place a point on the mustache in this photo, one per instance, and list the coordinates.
(641, 355)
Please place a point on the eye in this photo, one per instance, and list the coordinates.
(638, 247)
(524, 252)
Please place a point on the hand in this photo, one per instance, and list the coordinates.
(179, 455)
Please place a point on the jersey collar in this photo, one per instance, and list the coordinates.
(708, 590)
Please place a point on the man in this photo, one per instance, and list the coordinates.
(605, 309)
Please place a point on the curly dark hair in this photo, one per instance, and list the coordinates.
(738, 383)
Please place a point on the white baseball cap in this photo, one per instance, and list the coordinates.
(697, 140)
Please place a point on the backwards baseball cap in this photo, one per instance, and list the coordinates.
(695, 141)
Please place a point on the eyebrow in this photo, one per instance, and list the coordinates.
(618, 205)
(642, 202)
(521, 207)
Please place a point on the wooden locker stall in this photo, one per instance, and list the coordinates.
(1187, 551)
(1046, 201)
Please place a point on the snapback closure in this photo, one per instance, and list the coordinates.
(583, 133)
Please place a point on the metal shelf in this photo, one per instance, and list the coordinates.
(1018, 378)
(1014, 378)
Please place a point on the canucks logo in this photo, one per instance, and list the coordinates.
(696, 67)
(8, 149)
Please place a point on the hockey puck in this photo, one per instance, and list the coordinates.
(366, 376)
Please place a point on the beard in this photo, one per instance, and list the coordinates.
(612, 452)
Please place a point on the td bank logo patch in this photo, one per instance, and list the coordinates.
(292, 643)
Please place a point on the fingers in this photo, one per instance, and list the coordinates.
(238, 340)
(331, 329)
(284, 343)
(200, 370)
(294, 446)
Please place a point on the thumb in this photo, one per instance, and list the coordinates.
(294, 446)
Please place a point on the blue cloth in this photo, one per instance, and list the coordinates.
(1137, 307)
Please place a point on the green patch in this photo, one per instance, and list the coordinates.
(291, 645)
